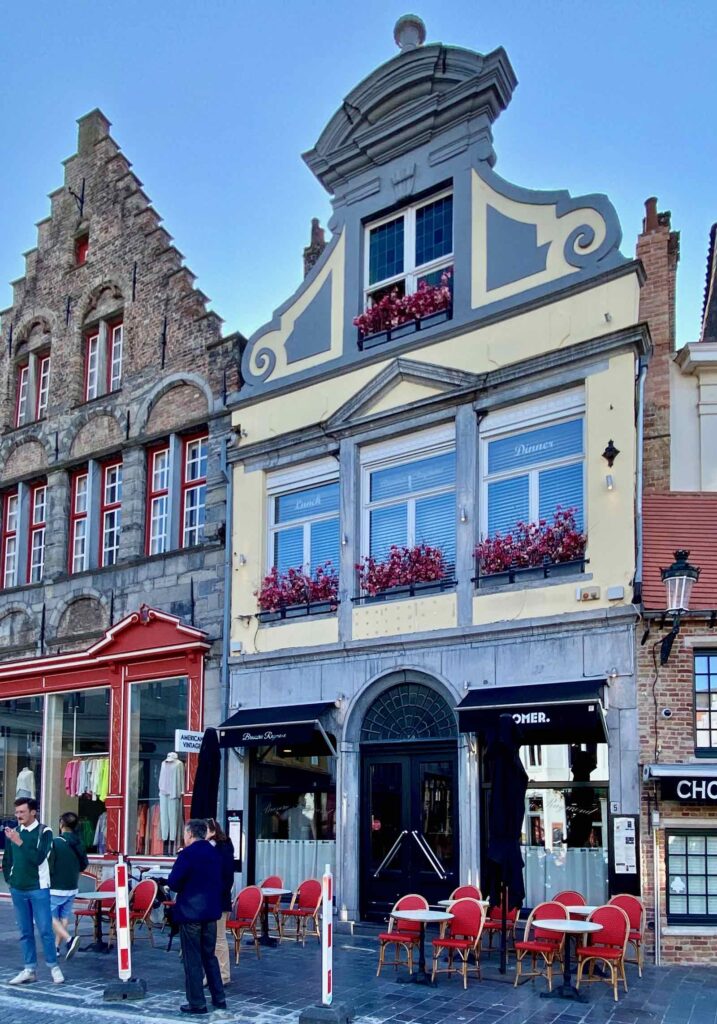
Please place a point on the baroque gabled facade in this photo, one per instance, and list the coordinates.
(464, 355)
(114, 379)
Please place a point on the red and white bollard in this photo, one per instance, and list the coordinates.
(327, 936)
(124, 946)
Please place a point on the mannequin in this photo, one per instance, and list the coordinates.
(171, 787)
(25, 785)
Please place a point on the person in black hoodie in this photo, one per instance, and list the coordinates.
(225, 848)
(197, 880)
(67, 859)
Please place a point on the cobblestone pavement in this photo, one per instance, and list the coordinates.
(276, 988)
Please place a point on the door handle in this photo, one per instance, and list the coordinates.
(390, 855)
(429, 855)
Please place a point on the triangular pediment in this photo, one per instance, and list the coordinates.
(400, 385)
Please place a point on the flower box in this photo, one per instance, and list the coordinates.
(295, 589)
(298, 611)
(533, 546)
(517, 575)
(396, 316)
(409, 590)
(403, 572)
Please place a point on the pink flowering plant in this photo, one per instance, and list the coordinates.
(395, 309)
(283, 589)
(533, 544)
(402, 567)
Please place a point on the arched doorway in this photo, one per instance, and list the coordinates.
(409, 804)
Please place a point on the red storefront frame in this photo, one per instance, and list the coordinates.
(147, 645)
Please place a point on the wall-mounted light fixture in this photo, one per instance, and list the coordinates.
(679, 579)
(610, 453)
(344, 540)
(610, 482)
(242, 559)
(463, 514)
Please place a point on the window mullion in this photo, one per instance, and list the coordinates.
(534, 496)
(409, 249)
(307, 548)
(410, 522)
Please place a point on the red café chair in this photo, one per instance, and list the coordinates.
(247, 907)
(608, 945)
(401, 934)
(462, 935)
(635, 910)
(494, 923)
(141, 901)
(107, 911)
(542, 943)
(273, 902)
(571, 898)
(304, 907)
(471, 892)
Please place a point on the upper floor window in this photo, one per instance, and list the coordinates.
(10, 523)
(706, 703)
(38, 522)
(43, 384)
(404, 249)
(304, 527)
(158, 501)
(533, 462)
(409, 495)
(23, 384)
(103, 358)
(82, 247)
(194, 490)
(110, 513)
(79, 508)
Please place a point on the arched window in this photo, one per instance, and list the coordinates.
(408, 711)
(104, 346)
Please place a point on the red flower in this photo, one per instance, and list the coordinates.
(533, 544)
(394, 309)
(283, 589)
(403, 566)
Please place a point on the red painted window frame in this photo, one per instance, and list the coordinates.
(34, 528)
(6, 535)
(89, 336)
(76, 517)
(112, 326)
(152, 494)
(82, 247)
(42, 358)
(187, 486)
(20, 368)
(106, 507)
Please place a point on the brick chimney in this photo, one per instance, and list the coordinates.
(658, 248)
(317, 245)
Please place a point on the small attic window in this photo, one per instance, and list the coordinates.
(82, 245)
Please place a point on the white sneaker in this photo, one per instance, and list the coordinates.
(57, 976)
(25, 975)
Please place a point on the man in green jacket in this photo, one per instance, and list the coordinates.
(67, 860)
(27, 872)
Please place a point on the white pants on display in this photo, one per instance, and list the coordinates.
(168, 816)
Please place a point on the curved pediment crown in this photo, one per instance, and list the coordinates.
(405, 103)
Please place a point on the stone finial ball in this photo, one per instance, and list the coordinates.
(409, 32)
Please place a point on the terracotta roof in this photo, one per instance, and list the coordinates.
(680, 520)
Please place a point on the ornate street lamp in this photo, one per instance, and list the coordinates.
(679, 580)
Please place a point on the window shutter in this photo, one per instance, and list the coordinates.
(562, 486)
(387, 526)
(289, 549)
(436, 524)
(325, 543)
(508, 502)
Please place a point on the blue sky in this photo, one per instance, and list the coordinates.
(213, 101)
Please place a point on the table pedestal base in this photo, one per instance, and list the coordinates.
(99, 946)
(564, 992)
(419, 978)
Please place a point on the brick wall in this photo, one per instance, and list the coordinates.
(658, 249)
(668, 741)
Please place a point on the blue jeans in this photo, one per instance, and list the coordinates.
(33, 905)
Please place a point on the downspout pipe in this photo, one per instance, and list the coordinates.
(226, 624)
(639, 462)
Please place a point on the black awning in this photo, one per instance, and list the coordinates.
(546, 712)
(286, 726)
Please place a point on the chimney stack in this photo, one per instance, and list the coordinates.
(316, 246)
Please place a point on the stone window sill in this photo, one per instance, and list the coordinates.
(690, 929)
(504, 588)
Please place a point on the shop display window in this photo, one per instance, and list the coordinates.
(77, 762)
(565, 827)
(294, 814)
(691, 866)
(156, 779)
(21, 722)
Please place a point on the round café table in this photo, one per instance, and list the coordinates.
(424, 917)
(580, 910)
(563, 926)
(99, 896)
(268, 892)
(449, 903)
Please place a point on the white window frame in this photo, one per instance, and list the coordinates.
(37, 536)
(92, 383)
(10, 544)
(79, 526)
(43, 386)
(115, 356)
(411, 273)
(23, 384)
(399, 452)
(111, 517)
(557, 409)
(298, 478)
(193, 533)
(159, 505)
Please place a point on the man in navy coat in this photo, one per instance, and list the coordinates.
(197, 880)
